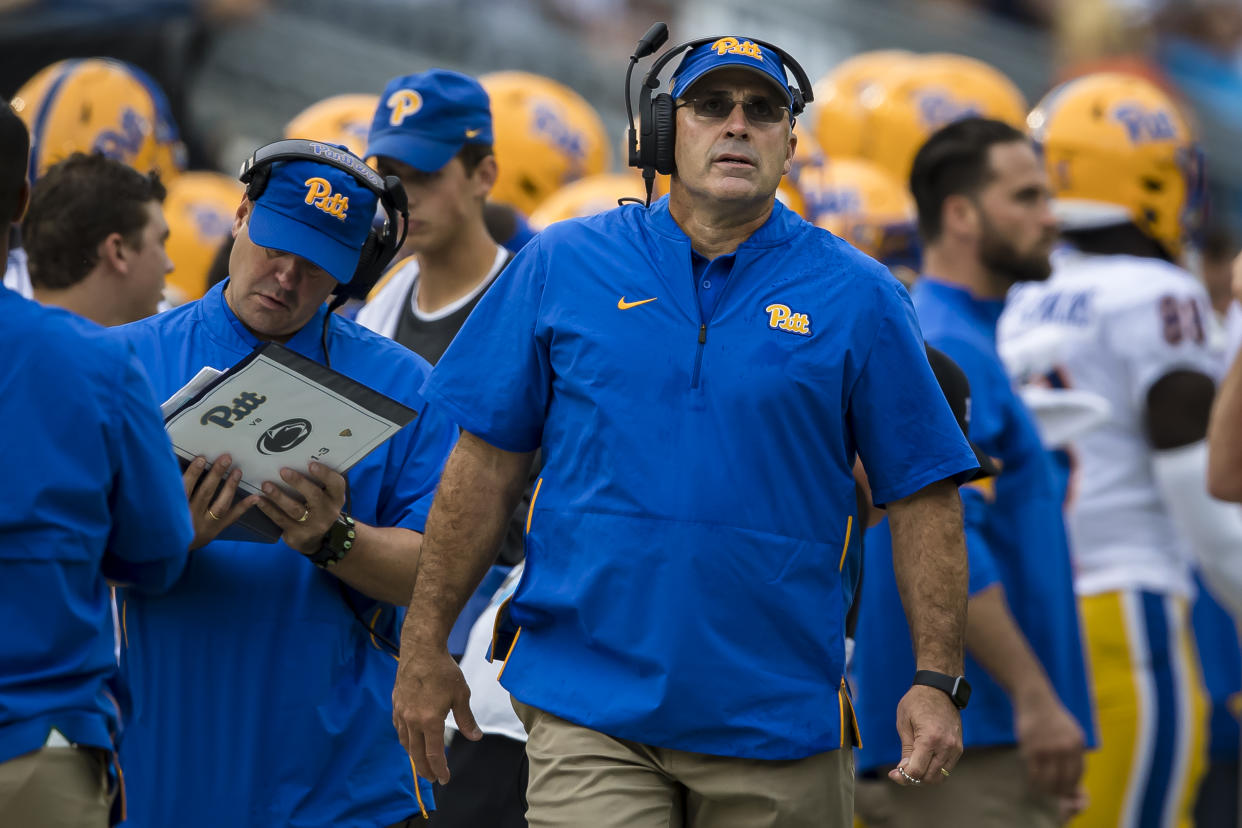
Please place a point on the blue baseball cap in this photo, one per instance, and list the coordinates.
(424, 120)
(727, 52)
(315, 211)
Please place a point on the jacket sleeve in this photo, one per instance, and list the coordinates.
(151, 529)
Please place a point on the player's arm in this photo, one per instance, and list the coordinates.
(478, 491)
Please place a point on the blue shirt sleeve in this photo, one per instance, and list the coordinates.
(903, 427)
(151, 529)
(495, 379)
(983, 573)
(413, 471)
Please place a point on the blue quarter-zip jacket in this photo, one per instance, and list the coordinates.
(688, 566)
(259, 699)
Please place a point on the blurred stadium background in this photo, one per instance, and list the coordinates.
(238, 70)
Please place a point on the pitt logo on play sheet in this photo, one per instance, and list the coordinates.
(780, 317)
(732, 46)
(319, 194)
(403, 103)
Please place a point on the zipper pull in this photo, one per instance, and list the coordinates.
(703, 334)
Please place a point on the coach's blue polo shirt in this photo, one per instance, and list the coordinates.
(91, 490)
(259, 699)
(686, 542)
(1015, 536)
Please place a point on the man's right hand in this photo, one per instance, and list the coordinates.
(429, 684)
(210, 511)
(1051, 743)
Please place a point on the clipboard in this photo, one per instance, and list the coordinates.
(275, 409)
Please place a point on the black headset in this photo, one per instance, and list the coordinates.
(652, 147)
(381, 245)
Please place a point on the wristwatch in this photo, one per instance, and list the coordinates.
(337, 542)
(955, 687)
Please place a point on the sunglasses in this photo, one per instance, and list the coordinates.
(716, 106)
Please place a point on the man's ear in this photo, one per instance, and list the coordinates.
(242, 215)
(959, 215)
(113, 254)
(790, 151)
(485, 175)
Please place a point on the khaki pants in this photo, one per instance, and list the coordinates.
(988, 789)
(580, 777)
(56, 787)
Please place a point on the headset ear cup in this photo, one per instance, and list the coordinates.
(665, 133)
(257, 182)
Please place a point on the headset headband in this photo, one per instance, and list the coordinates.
(295, 149)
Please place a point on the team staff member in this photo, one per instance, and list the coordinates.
(434, 131)
(106, 265)
(700, 375)
(92, 494)
(984, 218)
(260, 699)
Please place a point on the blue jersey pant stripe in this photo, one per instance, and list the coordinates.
(1158, 786)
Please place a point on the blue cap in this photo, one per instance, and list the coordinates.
(315, 211)
(726, 52)
(424, 120)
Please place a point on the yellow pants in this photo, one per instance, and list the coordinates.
(1151, 712)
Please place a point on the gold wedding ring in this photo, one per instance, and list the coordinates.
(944, 772)
(212, 515)
(304, 516)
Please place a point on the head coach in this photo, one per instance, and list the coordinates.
(700, 374)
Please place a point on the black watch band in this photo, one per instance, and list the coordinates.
(955, 687)
(336, 542)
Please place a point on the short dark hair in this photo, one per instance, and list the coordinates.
(14, 150)
(954, 161)
(471, 155)
(74, 206)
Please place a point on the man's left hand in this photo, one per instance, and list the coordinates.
(931, 737)
(304, 522)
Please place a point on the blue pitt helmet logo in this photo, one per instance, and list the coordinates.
(319, 195)
(938, 107)
(1145, 125)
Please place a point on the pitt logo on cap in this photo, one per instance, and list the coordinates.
(732, 46)
(319, 194)
(403, 103)
(780, 317)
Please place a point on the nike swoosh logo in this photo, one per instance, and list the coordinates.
(470, 133)
(624, 305)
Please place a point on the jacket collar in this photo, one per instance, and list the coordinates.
(781, 225)
(223, 324)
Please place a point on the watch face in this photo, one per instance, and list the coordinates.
(961, 691)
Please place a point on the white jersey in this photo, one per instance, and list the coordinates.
(16, 274)
(1113, 326)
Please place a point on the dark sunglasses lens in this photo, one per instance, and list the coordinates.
(759, 110)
